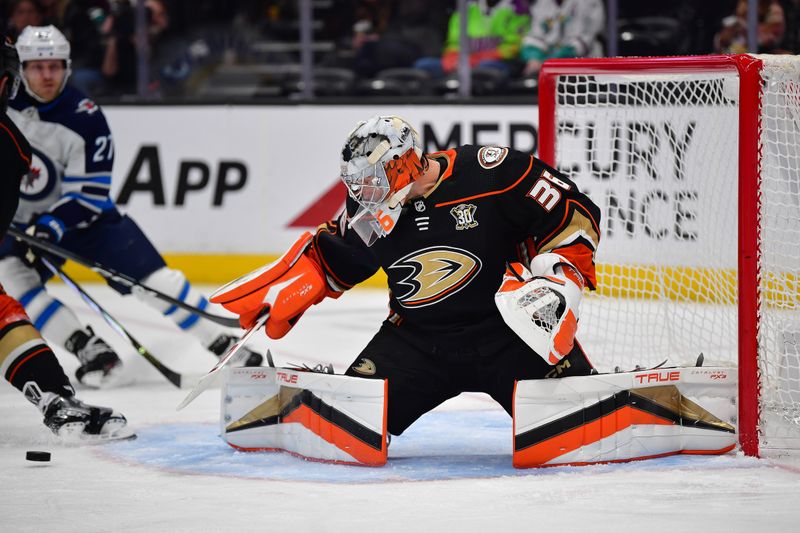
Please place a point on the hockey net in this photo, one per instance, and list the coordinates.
(695, 164)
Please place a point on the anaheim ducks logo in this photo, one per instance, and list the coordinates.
(433, 274)
(365, 367)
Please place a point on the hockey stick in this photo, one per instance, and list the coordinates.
(173, 377)
(211, 377)
(111, 274)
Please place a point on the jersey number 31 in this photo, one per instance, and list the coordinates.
(544, 191)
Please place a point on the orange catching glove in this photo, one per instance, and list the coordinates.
(285, 289)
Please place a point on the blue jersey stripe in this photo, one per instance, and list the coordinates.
(99, 204)
(106, 180)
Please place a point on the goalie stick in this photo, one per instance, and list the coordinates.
(172, 376)
(211, 377)
(122, 279)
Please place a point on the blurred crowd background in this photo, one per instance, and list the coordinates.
(253, 50)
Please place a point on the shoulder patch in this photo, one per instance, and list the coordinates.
(491, 156)
(86, 106)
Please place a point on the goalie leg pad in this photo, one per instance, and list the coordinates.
(625, 416)
(322, 417)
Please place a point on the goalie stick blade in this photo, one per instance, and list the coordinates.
(211, 377)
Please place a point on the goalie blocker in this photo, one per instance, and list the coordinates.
(321, 417)
(624, 417)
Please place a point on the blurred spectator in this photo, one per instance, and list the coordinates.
(563, 28)
(494, 33)
(53, 11)
(119, 65)
(80, 21)
(21, 14)
(791, 39)
(392, 34)
(732, 38)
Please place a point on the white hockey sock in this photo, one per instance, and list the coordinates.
(174, 283)
(53, 319)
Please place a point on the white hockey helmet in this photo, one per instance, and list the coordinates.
(380, 161)
(43, 42)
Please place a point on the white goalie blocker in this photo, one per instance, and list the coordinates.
(625, 416)
(321, 417)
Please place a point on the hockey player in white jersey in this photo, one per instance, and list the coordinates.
(65, 200)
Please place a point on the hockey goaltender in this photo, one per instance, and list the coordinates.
(487, 251)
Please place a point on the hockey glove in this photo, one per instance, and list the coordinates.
(543, 309)
(285, 288)
(45, 228)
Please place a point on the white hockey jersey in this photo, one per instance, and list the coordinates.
(73, 154)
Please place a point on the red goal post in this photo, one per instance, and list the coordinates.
(653, 141)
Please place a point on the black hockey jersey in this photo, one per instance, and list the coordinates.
(15, 162)
(447, 254)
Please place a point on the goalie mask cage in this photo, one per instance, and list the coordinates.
(695, 164)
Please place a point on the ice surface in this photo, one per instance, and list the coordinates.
(450, 471)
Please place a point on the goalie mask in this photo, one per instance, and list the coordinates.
(380, 161)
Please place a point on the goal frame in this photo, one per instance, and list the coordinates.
(749, 199)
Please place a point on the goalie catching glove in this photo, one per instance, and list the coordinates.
(285, 289)
(542, 307)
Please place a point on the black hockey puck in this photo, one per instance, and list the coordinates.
(37, 456)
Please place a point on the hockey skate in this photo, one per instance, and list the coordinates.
(100, 366)
(74, 421)
(247, 358)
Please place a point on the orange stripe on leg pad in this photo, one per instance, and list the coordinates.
(335, 435)
(596, 430)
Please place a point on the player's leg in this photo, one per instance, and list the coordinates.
(516, 361)
(417, 382)
(100, 365)
(29, 364)
(117, 241)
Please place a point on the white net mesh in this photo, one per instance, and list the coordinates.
(659, 155)
(779, 320)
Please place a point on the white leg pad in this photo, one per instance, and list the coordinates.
(321, 417)
(624, 417)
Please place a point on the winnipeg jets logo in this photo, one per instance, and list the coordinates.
(432, 274)
(40, 179)
(29, 180)
(465, 216)
(491, 156)
(86, 106)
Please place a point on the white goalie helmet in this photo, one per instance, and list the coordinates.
(43, 42)
(381, 159)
